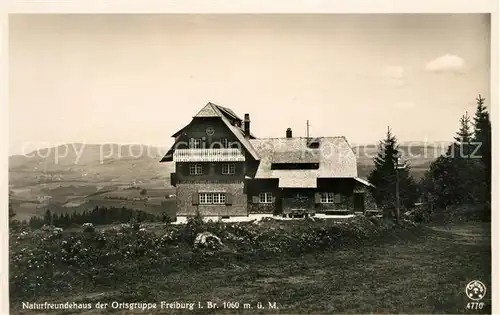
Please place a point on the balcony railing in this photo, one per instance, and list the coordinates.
(209, 155)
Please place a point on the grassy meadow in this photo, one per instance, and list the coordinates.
(356, 266)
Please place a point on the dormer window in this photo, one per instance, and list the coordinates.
(295, 166)
(313, 145)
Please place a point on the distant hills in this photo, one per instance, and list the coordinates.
(77, 176)
(129, 164)
(92, 163)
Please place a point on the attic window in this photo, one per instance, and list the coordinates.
(314, 144)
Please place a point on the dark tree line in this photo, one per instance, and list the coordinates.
(461, 177)
(97, 216)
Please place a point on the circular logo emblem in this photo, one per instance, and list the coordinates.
(475, 290)
(210, 131)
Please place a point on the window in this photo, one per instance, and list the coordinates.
(329, 197)
(216, 198)
(194, 143)
(195, 169)
(224, 143)
(219, 198)
(228, 169)
(266, 197)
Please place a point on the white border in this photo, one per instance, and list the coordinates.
(244, 6)
(252, 6)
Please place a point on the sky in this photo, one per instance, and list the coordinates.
(140, 78)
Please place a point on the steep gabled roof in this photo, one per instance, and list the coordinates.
(208, 111)
(214, 110)
(237, 131)
(229, 112)
(335, 155)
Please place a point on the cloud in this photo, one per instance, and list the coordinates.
(446, 63)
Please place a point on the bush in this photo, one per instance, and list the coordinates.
(42, 264)
(193, 227)
(88, 227)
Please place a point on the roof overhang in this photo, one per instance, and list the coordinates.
(363, 181)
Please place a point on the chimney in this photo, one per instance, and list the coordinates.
(247, 126)
(289, 133)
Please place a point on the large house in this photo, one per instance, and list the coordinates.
(222, 169)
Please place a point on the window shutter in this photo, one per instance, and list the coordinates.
(229, 199)
(196, 198)
(317, 197)
(273, 199)
(255, 199)
(338, 198)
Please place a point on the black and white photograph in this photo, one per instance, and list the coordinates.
(250, 163)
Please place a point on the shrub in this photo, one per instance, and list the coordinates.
(41, 264)
(193, 227)
(88, 227)
(207, 240)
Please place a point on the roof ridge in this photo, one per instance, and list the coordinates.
(225, 110)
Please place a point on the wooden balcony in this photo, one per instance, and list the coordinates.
(209, 155)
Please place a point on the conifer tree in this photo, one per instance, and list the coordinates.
(482, 138)
(458, 177)
(462, 147)
(482, 132)
(385, 178)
